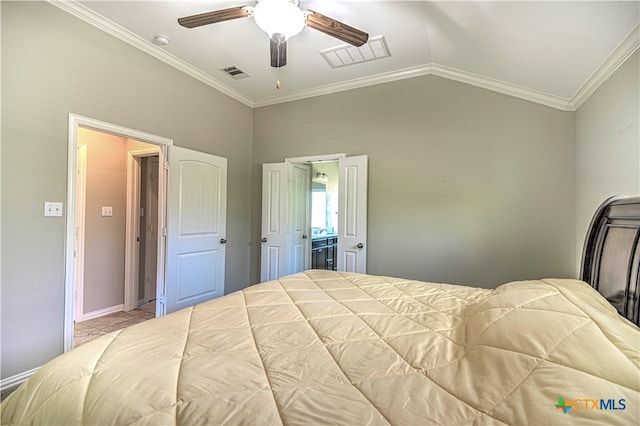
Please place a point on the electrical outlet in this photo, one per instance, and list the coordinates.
(107, 211)
(52, 208)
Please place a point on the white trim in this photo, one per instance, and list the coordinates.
(81, 196)
(132, 246)
(150, 246)
(132, 224)
(628, 47)
(18, 379)
(421, 70)
(76, 121)
(102, 312)
(347, 85)
(80, 11)
(494, 85)
(163, 192)
(315, 158)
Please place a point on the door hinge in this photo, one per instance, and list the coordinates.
(164, 232)
(165, 165)
(162, 299)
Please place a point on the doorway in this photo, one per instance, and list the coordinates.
(135, 145)
(324, 215)
(148, 232)
(191, 221)
(116, 183)
(349, 221)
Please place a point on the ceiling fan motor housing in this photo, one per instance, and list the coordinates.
(278, 44)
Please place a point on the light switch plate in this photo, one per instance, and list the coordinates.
(107, 211)
(52, 208)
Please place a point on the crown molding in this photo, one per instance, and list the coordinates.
(505, 88)
(78, 10)
(628, 47)
(420, 70)
(347, 85)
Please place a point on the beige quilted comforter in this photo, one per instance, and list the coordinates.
(325, 347)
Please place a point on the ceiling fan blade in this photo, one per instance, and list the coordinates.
(336, 29)
(214, 17)
(278, 46)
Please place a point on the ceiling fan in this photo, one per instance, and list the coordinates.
(280, 19)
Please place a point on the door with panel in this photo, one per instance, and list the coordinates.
(273, 249)
(352, 213)
(196, 228)
(286, 214)
(299, 218)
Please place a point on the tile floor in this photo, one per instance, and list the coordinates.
(88, 330)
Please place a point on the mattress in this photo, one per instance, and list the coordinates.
(330, 347)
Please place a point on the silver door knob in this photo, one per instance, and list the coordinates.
(360, 245)
(264, 240)
(304, 236)
(223, 241)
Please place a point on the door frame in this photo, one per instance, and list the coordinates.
(362, 200)
(132, 233)
(81, 194)
(149, 246)
(309, 160)
(315, 158)
(75, 122)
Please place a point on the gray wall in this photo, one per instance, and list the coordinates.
(465, 185)
(608, 144)
(54, 64)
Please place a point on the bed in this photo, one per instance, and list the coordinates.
(324, 347)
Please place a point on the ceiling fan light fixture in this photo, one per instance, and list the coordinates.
(279, 17)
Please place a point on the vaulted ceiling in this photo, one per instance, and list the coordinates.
(554, 53)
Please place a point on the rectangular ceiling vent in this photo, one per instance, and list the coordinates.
(341, 56)
(234, 72)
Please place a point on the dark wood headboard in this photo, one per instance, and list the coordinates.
(611, 254)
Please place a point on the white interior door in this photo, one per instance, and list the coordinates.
(196, 223)
(352, 214)
(273, 259)
(299, 218)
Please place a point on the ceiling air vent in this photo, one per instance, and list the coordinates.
(235, 72)
(341, 56)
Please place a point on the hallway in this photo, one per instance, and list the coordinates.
(88, 330)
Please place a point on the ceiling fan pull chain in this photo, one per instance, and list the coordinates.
(278, 76)
(278, 43)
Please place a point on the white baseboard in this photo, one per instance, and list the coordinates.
(102, 312)
(16, 380)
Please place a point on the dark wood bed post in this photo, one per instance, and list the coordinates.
(611, 254)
